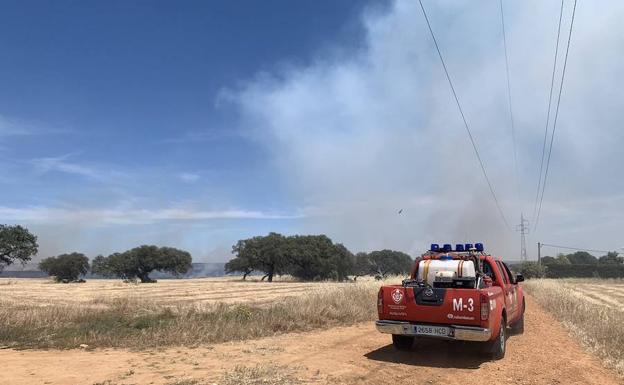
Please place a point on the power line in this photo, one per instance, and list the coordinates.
(552, 137)
(552, 86)
(474, 145)
(511, 117)
(575, 248)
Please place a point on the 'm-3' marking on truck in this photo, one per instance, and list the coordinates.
(458, 304)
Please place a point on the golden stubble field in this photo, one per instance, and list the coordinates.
(591, 309)
(609, 293)
(166, 292)
(38, 313)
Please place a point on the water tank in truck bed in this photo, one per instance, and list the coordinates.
(435, 270)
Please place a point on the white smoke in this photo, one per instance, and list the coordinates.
(358, 137)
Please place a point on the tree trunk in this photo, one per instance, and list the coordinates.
(144, 277)
(270, 273)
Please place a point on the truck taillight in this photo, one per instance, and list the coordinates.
(380, 301)
(485, 307)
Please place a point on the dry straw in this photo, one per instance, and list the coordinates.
(586, 307)
(134, 323)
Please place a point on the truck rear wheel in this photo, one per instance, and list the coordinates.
(498, 346)
(402, 342)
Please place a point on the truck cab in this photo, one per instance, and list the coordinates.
(460, 293)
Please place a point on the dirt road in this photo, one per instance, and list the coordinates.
(545, 354)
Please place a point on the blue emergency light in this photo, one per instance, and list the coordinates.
(459, 247)
(479, 246)
(447, 247)
(435, 247)
(468, 246)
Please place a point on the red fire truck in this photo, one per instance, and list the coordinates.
(460, 293)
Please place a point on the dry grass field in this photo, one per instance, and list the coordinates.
(166, 292)
(343, 355)
(107, 313)
(592, 309)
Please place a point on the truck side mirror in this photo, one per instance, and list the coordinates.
(519, 278)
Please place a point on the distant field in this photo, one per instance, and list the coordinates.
(592, 309)
(606, 292)
(166, 292)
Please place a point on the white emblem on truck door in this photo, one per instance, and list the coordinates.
(397, 295)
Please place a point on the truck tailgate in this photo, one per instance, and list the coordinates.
(431, 305)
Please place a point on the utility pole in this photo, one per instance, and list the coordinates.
(523, 228)
(539, 253)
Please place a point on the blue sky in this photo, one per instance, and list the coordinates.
(197, 123)
(135, 85)
(116, 104)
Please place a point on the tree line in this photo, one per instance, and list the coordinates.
(133, 264)
(577, 264)
(311, 257)
(306, 257)
(18, 245)
(583, 258)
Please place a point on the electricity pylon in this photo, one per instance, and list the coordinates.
(523, 228)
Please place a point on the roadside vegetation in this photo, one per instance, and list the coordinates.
(260, 375)
(134, 323)
(592, 309)
(241, 375)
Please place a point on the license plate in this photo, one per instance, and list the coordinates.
(435, 331)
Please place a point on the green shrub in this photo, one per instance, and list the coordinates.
(532, 270)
